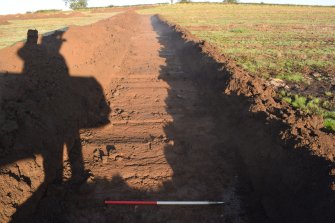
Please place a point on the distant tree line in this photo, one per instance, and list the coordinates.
(76, 4)
(230, 1)
(225, 1)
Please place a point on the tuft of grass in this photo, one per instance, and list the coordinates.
(329, 124)
(311, 105)
(330, 114)
(299, 102)
(327, 105)
(237, 30)
(292, 77)
(287, 99)
(48, 11)
(328, 93)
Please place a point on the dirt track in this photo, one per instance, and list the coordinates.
(173, 135)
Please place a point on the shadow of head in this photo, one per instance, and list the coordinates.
(54, 40)
(32, 37)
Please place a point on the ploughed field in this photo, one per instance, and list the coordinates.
(293, 47)
(133, 107)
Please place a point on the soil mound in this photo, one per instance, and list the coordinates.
(3, 22)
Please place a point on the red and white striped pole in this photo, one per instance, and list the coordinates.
(164, 202)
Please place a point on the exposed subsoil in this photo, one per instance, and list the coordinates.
(4, 22)
(132, 107)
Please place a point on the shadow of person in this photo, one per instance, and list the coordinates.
(220, 150)
(43, 110)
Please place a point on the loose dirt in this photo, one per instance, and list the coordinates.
(4, 22)
(134, 108)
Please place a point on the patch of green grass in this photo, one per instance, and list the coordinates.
(287, 99)
(330, 114)
(237, 30)
(48, 11)
(299, 102)
(292, 77)
(329, 124)
(328, 93)
(311, 105)
(326, 104)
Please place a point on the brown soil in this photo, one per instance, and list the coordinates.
(184, 124)
(3, 22)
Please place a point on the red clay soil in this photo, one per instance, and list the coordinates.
(134, 108)
(3, 22)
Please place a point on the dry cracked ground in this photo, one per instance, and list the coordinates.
(126, 109)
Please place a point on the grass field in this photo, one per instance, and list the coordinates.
(293, 43)
(16, 30)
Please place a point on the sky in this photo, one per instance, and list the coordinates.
(22, 6)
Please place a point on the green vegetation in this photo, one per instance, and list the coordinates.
(312, 105)
(329, 124)
(273, 41)
(292, 77)
(230, 1)
(16, 30)
(76, 4)
(292, 43)
(47, 11)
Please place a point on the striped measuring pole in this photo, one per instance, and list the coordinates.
(164, 202)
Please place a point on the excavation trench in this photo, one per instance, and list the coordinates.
(174, 134)
(277, 182)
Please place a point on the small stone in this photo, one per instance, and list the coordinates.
(275, 82)
(171, 143)
(116, 93)
(98, 154)
(119, 158)
(116, 156)
(316, 75)
(105, 159)
(119, 111)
